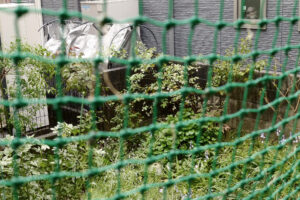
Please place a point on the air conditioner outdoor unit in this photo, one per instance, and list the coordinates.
(28, 26)
(116, 9)
(28, 31)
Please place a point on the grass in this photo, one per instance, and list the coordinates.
(260, 179)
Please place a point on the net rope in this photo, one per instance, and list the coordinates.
(278, 161)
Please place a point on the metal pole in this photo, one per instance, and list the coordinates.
(3, 89)
(171, 33)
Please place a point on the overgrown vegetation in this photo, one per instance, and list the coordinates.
(36, 160)
(33, 76)
(270, 182)
(184, 132)
(238, 71)
(186, 137)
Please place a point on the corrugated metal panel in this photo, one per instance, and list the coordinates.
(287, 11)
(157, 10)
(204, 35)
(202, 41)
(266, 38)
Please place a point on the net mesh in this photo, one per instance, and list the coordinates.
(277, 174)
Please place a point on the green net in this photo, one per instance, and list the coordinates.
(173, 138)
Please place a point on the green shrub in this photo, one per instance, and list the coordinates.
(251, 171)
(186, 137)
(238, 71)
(32, 83)
(40, 160)
(144, 80)
(79, 77)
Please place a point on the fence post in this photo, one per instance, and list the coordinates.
(4, 95)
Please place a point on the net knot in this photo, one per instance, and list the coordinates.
(212, 58)
(236, 58)
(139, 21)
(189, 60)
(135, 62)
(20, 11)
(220, 25)
(262, 23)
(21, 103)
(16, 143)
(278, 19)
(170, 24)
(287, 49)
(195, 21)
(274, 52)
(240, 23)
(64, 15)
(294, 20)
(106, 20)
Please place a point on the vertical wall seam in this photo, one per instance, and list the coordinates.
(281, 34)
(171, 34)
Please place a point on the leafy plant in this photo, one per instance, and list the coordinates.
(186, 137)
(145, 77)
(248, 172)
(239, 70)
(79, 77)
(32, 82)
(40, 160)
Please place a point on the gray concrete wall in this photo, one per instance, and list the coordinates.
(204, 35)
(283, 108)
